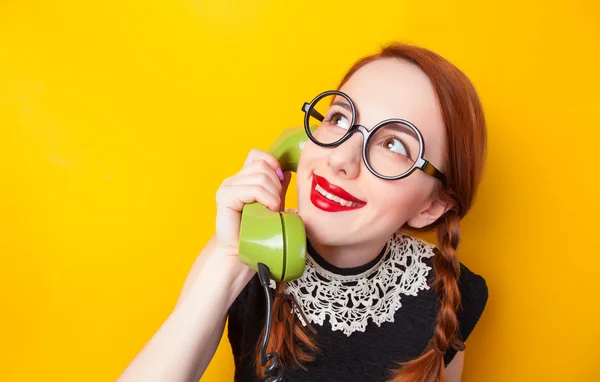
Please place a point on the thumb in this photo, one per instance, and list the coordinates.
(287, 176)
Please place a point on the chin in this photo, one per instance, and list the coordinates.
(326, 237)
(324, 230)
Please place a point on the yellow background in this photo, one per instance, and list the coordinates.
(119, 120)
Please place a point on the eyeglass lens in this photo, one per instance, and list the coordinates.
(390, 151)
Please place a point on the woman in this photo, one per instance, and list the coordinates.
(374, 302)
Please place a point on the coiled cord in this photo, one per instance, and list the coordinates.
(264, 277)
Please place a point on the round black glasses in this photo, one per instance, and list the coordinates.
(393, 149)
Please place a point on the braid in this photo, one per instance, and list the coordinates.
(447, 268)
(429, 367)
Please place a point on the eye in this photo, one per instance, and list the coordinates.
(340, 121)
(396, 145)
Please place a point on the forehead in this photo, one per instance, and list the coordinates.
(390, 88)
(390, 85)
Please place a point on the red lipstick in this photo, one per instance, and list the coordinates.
(331, 198)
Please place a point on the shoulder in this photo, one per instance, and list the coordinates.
(473, 300)
(474, 296)
(472, 286)
(246, 317)
(248, 298)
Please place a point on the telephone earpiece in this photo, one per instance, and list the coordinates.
(276, 239)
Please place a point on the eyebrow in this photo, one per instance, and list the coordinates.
(344, 105)
(402, 127)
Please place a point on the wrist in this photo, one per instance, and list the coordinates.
(225, 274)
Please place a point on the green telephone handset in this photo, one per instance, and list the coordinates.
(276, 239)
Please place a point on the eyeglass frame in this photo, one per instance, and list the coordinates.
(420, 163)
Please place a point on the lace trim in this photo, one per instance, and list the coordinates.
(350, 302)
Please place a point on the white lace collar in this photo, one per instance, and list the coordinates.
(350, 301)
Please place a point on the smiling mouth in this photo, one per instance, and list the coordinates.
(331, 198)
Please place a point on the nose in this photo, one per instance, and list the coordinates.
(345, 159)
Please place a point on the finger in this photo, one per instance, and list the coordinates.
(287, 176)
(240, 195)
(258, 165)
(255, 155)
(263, 167)
(257, 178)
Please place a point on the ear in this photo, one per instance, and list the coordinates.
(430, 212)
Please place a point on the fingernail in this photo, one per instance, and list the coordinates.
(279, 173)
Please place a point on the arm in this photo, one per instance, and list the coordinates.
(184, 345)
(455, 367)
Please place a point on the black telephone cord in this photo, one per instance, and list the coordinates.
(264, 277)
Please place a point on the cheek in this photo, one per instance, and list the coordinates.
(310, 157)
(406, 198)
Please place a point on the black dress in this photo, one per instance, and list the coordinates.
(370, 351)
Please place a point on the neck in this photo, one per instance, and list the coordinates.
(350, 256)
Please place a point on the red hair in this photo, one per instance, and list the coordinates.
(466, 139)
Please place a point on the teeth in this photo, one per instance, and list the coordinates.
(334, 198)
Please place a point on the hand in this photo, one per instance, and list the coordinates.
(257, 181)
